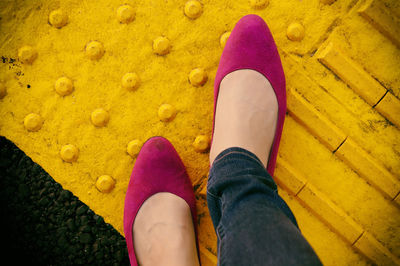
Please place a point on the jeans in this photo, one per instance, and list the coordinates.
(253, 223)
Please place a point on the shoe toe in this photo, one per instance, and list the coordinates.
(158, 164)
(250, 28)
(251, 41)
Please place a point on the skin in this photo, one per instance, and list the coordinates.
(163, 231)
(246, 114)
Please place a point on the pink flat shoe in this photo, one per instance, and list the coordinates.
(158, 168)
(251, 46)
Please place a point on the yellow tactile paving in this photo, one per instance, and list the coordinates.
(332, 250)
(389, 107)
(363, 84)
(339, 189)
(288, 178)
(318, 203)
(353, 116)
(322, 128)
(208, 238)
(397, 200)
(375, 251)
(368, 168)
(332, 216)
(84, 83)
(359, 80)
(383, 19)
(336, 218)
(346, 149)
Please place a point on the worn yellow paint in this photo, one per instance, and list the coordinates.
(375, 251)
(397, 200)
(334, 178)
(207, 257)
(352, 74)
(365, 128)
(383, 19)
(314, 200)
(331, 249)
(361, 82)
(346, 109)
(318, 125)
(331, 214)
(389, 106)
(123, 61)
(288, 178)
(368, 168)
(207, 237)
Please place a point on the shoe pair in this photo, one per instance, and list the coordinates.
(158, 167)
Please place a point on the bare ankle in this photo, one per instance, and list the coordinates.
(246, 115)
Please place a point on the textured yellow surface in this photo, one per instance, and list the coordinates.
(85, 83)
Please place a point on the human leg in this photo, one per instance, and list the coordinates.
(253, 224)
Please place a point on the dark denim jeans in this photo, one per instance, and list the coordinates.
(253, 224)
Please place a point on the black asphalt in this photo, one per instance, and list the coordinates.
(43, 224)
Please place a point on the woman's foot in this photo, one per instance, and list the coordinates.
(246, 114)
(163, 232)
(249, 93)
(160, 219)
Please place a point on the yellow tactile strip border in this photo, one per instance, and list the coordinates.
(368, 168)
(356, 121)
(381, 18)
(319, 126)
(361, 82)
(331, 215)
(344, 147)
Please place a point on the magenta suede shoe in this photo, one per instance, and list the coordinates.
(158, 168)
(251, 46)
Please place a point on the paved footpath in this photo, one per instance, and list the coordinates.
(84, 83)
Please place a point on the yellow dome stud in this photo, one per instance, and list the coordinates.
(161, 45)
(259, 4)
(27, 54)
(166, 112)
(133, 147)
(130, 81)
(125, 14)
(295, 32)
(69, 153)
(94, 50)
(64, 86)
(3, 90)
(201, 143)
(198, 77)
(58, 18)
(100, 117)
(33, 122)
(224, 38)
(105, 183)
(193, 9)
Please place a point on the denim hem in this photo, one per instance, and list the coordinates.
(236, 150)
